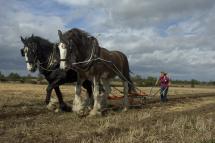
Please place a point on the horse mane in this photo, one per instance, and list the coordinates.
(80, 37)
(43, 42)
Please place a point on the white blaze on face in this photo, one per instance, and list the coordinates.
(29, 66)
(63, 52)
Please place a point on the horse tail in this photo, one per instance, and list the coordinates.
(126, 74)
(131, 87)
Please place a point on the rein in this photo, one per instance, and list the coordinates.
(63, 60)
(87, 61)
(33, 60)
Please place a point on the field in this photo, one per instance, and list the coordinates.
(188, 117)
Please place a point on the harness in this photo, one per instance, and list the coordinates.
(88, 63)
(95, 57)
(50, 62)
(33, 60)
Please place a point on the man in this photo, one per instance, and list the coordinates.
(164, 83)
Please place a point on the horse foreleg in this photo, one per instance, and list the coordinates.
(126, 104)
(62, 104)
(77, 103)
(48, 94)
(97, 99)
(89, 95)
(50, 102)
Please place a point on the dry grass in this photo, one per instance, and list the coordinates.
(184, 119)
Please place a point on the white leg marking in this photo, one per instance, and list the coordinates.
(77, 103)
(97, 99)
(53, 105)
(63, 52)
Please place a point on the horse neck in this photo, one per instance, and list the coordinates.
(45, 53)
(85, 52)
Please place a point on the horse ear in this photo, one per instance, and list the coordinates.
(22, 39)
(60, 35)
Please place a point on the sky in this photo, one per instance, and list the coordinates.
(176, 36)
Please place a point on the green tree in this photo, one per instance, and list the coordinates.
(150, 81)
(194, 82)
(2, 77)
(138, 80)
(13, 76)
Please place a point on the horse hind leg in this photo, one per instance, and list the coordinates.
(125, 100)
(107, 90)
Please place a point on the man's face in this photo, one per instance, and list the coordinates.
(162, 74)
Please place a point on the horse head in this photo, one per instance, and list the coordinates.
(75, 45)
(63, 48)
(29, 51)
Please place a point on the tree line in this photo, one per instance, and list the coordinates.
(137, 79)
(15, 77)
(150, 81)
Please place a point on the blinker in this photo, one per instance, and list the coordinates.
(22, 52)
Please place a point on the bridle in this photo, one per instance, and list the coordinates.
(63, 60)
(92, 55)
(37, 62)
(27, 61)
(86, 62)
(66, 58)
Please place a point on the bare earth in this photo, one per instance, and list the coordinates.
(188, 117)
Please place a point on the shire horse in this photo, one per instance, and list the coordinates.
(42, 54)
(81, 51)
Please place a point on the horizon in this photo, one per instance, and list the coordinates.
(36, 74)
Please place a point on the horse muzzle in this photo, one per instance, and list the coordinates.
(31, 67)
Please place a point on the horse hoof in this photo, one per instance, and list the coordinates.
(57, 110)
(47, 102)
(89, 108)
(51, 107)
(66, 108)
(95, 113)
(125, 109)
(81, 113)
(77, 109)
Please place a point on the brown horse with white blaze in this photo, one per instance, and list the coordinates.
(81, 51)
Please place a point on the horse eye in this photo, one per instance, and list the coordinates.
(63, 46)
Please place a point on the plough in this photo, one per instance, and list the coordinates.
(139, 95)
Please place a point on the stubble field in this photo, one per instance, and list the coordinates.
(188, 117)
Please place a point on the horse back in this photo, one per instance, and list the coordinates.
(117, 58)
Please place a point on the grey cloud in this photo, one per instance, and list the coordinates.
(139, 13)
(172, 35)
(17, 21)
